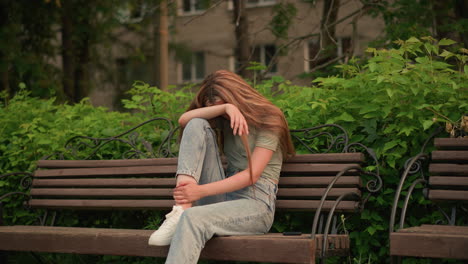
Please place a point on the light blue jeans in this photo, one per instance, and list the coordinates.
(237, 213)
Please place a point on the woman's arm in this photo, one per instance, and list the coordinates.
(238, 123)
(190, 192)
(208, 112)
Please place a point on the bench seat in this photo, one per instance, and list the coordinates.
(134, 242)
(431, 241)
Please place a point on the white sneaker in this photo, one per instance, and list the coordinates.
(163, 236)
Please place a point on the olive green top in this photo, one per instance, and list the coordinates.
(237, 157)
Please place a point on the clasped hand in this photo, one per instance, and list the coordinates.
(187, 192)
(238, 123)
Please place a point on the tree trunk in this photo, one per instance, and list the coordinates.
(161, 47)
(461, 11)
(4, 54)
(68, 61)
(327, 28)
(242, 51)
(82, 78)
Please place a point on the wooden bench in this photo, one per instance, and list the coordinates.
(146, 184)
(447, 184)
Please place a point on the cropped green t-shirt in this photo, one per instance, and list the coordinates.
(237, 157)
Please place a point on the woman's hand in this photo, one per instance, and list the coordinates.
(238, 123)
(187, 192)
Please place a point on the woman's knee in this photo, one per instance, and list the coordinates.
(197, 124)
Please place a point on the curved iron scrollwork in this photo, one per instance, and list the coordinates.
(338, 142)
(137, 147)
(26, 180)
(412, 166)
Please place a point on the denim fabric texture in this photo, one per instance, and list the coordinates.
(247, 211)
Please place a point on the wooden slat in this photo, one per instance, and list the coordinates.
(300, 158)
(101, 204)
(147, 192)
(314, 192)
(448, 169)
(105, 163)
(461, 182)
(452, 156)
(316, 169)
(327, 158)
(134, 242)
(348, 206)
(102, 192)
(170, 182)
(110, 182)
(436, 229)
(431, 242)
(166, 204)
(110, 171)
(320, 181)
(451, 195)
(309, 169)
(451, 143)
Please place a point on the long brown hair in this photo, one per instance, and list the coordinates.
(257, 110)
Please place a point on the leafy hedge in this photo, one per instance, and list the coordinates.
(391, 103)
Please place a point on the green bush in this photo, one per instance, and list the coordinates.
(390, 103)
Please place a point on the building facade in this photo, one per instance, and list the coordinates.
(206, 37)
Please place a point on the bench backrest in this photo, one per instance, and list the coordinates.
(148, 183)
(449, 170)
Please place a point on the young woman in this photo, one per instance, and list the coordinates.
(243, 203)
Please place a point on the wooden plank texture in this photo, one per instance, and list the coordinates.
(170, 182)
(128, 242)
(448, 169)
(101, 204)
(102, 192)
(452, 156)
(110, 171)
(451, 143)
(105, 163)
(431, 242)
(343, 206)
(459, 182)
(320, 181)
(293, 168)
(109, 182)
(448, 195)
(314, 192)
(327, 158)
(316, 169)
(299, 158)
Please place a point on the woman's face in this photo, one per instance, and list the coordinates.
(216, 101)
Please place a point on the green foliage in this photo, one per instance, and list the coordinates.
(390, 103)
(284, 13)
(151, 101)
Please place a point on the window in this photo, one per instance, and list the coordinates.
(194, 6)
(344, 46)
(193, 70)
(264, 54)
(252, 3)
